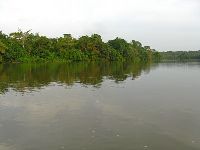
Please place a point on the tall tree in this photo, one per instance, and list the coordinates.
(20, 36)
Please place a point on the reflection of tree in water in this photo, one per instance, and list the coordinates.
(22, 77)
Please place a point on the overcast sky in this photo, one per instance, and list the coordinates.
(162, 24)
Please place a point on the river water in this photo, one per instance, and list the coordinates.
(100, 106)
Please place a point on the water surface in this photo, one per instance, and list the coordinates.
(100, 106)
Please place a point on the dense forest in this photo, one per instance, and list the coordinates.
(31, 47)
(180, 55)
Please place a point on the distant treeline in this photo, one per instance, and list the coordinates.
(180, 55)
(29, 47)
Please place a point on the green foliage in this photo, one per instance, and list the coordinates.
(28, 47)
(156, 56)
(180, 55)
(2, 47)
(120, 45)
(2, 51)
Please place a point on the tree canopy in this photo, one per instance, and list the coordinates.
(32, 47)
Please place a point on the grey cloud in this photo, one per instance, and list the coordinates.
(162, 24)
